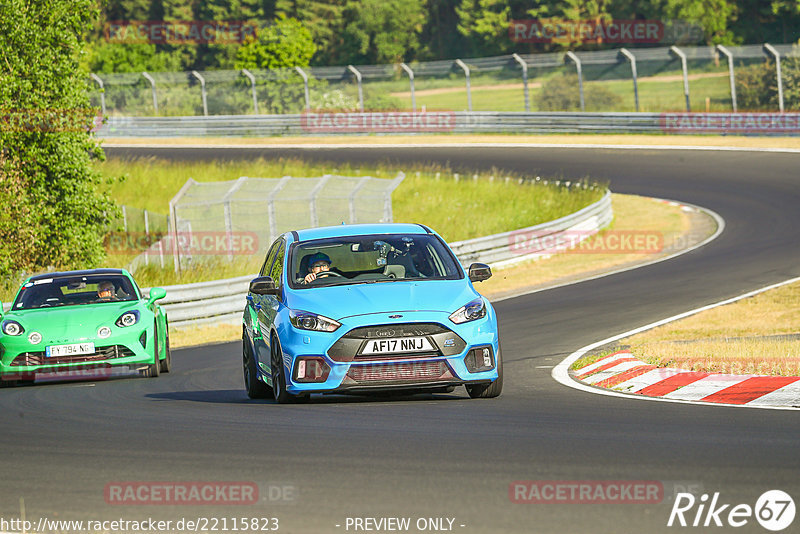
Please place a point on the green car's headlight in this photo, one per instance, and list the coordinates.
(12, 328)
(34, 338)
(103, 332)
(129, 318)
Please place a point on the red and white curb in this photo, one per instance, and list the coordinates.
(623, 375)
(623, 372)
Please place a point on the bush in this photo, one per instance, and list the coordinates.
(52, 212)
(561, 93)
(757, 86)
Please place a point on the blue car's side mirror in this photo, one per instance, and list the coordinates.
(263, 285)
(478, 272)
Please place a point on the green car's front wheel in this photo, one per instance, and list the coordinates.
(154, 369)
(166, 363)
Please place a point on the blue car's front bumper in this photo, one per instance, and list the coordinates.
(450, 364)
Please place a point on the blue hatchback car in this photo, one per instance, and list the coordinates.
(368, 308)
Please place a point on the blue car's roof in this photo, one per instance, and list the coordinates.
(360, 229)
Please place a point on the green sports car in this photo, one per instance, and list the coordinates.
(83, 325)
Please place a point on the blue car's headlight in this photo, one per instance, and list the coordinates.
(129, 318)
(12, 328)
(472, 311)
(312, 321)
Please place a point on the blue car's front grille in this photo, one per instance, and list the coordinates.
(349, 347)
(392, 373)
(101, 353)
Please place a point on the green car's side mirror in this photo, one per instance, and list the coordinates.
(156, 293)
(1, 309)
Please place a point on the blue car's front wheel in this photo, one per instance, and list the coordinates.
(488, 391)
(256, 389)
(282, 396)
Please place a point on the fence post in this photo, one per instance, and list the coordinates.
(729, 55)
(147, 234)
(173, 223)
(678, 52)
(387, 197)
(305, 87)
(226, 207)
(96, 78)
(203, 89)
(360, 89)
(273, 223)
(524, 66)
(771, 49)
(252, 88)
(352, 198)
(410, 81)
(124, 219)
(625, 52)
(466, 75)
(153, 86)
(575, 59)
(313, 203)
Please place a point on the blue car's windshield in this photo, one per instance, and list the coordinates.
(74, 290)
(370, 259)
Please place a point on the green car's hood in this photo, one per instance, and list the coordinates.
(67, 323)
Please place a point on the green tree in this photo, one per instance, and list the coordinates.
(382, 31)
(286, 43)
(54, 215)
(325, 20)
(278, 47)
(485, 22)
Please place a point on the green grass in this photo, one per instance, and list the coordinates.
(589, 359)
(654, 96)
(458, 210)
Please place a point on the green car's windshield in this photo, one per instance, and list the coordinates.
(73, 291)
(369, 259)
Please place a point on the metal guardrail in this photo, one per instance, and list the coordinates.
(499, 250)
(222, 301)
(451, 122)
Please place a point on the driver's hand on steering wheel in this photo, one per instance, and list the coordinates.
(319, 268)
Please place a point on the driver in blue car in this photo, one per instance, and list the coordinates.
(318, 265)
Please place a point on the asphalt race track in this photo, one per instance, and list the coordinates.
(447, 456)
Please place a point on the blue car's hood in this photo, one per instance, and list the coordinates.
(359, 299)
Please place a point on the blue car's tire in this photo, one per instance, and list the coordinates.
(256, 389)
(279, 378)
(488, 391)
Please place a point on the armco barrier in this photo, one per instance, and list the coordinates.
(222, 301)
(453, 122)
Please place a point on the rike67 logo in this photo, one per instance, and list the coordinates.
(774, 510)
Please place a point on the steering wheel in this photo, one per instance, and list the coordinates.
(329, 273)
